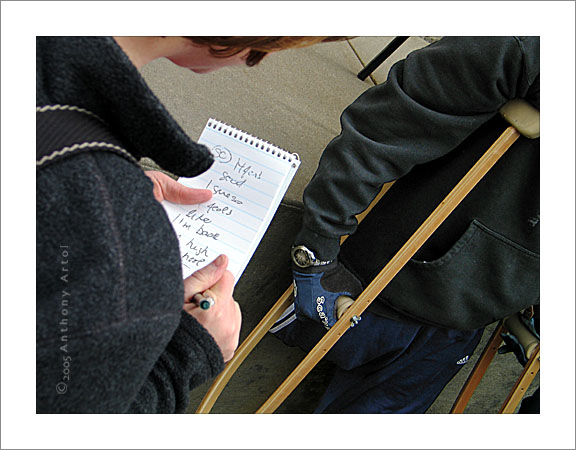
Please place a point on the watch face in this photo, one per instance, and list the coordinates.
(301, 257)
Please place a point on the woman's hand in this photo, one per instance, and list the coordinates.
(165, 188)
(222, 320)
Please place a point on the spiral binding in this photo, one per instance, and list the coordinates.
(253, 141)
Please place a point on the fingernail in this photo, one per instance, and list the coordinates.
(219, 261)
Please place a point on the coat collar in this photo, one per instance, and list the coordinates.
(94, 73)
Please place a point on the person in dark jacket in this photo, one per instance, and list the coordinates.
(116, 328)
(423, 128)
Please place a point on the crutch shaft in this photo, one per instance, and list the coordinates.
(243, 351)
(478, 372)
(522, 384)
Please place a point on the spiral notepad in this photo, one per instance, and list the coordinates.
(248, 180)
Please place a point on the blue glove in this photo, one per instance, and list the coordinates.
(316, 290)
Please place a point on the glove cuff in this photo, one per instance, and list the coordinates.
(325, 248)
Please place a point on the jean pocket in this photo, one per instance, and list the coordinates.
(484, 277)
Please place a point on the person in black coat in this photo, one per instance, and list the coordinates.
(116, 328)
(423, 128)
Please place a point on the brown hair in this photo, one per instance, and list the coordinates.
(259, 46)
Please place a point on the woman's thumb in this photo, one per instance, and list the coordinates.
(206, 277)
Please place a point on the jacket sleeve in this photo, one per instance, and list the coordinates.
(110, 329)
(431, 102)
(191, 358)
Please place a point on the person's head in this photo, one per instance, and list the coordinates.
(203, 54)
(254, 48)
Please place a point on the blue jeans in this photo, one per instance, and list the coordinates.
(383, 366)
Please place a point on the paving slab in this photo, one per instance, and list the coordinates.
(293, 99)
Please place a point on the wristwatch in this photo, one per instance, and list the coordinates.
(304, 257)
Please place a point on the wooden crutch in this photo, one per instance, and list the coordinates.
(524, 119)
(531, 346)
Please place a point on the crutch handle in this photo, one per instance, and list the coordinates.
(525, 337)
(522, 116)
(342, 304)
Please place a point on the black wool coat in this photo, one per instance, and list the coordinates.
(111, 335)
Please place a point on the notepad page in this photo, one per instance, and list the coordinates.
(248, 180)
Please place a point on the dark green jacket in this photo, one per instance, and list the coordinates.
(425, 127)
